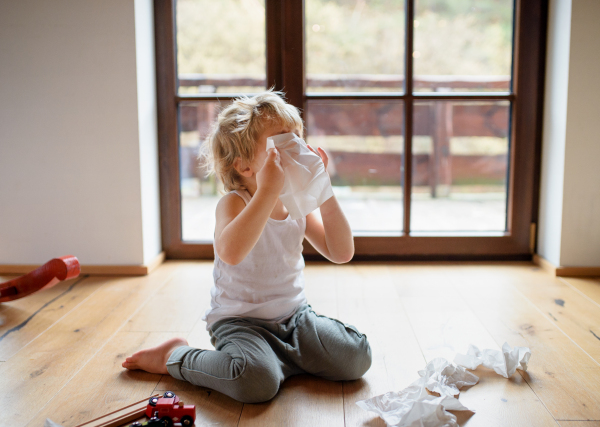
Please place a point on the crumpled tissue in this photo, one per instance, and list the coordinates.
(446, 378)
(307, 184)
(504, 362)
(414, 407)
(50, 423)
(398, 410)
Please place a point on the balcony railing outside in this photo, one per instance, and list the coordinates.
(438, 129)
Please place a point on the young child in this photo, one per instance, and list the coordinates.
(260, 324)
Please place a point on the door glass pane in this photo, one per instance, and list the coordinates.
(463, 45)
(221, 46)
(460, 166)
(354, 46)
(364, 141)
(199, 193)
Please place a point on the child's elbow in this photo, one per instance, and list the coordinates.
(229, 257)
(343, 258)
(230, 261)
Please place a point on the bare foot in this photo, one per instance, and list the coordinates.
(154, 360)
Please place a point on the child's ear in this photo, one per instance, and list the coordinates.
(242, 167)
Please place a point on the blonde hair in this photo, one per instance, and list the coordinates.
(236, 131)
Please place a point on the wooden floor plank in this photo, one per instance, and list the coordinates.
(439, 316)
(586, 286)
(501, 402)
(321, 289)
(573, 313)
(66, 361)
(444, 325)
(367, 300)
(303, 400)
(102, 385)
(354, 310)
(421, 280)
(579, 423)
(37, 372)
(563, 376)
(24, 319)
(178, 306)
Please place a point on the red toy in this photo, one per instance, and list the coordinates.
(44, 277)
(169, 409)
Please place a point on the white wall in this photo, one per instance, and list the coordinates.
(569, 227)
(581, 213)
(554, 130)
(147, 127)
(77, 132)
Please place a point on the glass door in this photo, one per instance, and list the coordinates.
(429, 110)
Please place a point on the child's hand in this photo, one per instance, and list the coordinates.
(321, 153)
(270, 177)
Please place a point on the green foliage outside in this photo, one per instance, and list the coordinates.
(221, 37)
(452, 37)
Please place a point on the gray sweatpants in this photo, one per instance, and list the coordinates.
(253, 357)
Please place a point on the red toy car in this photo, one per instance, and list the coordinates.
(170, 410)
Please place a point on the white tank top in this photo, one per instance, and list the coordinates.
(269, 283)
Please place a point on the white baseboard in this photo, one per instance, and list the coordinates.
(564, 271)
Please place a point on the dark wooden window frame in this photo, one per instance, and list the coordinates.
(285, 71)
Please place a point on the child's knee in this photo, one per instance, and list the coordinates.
(349, 360)
(258, 383)
(356, 360)
(354, 353)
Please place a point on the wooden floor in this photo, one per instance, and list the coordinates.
(61, 349)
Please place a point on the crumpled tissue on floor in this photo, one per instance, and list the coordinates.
(413, 407)
(504, 362)
(398, 410)
(50, 423)
(446, 378)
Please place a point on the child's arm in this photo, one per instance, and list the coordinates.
(332, 237)
(239, 227)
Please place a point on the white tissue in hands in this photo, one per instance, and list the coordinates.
(446, 378)
(306, 184)
(504, 362)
